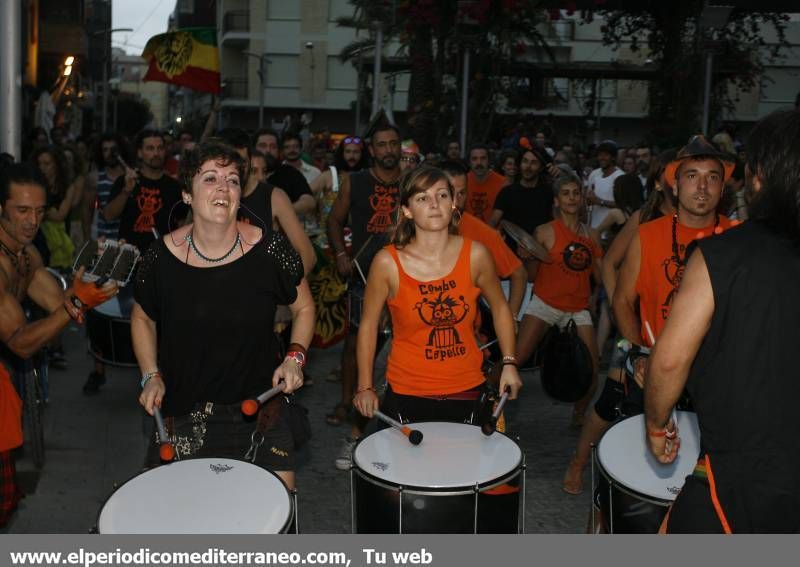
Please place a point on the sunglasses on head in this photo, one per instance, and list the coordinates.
(352, 140)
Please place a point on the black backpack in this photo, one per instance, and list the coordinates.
(566, 364)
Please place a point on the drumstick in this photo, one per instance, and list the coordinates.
(652, 344)
(487, 345)
(154, 230)
(165, 451)
(491, 426)
(250, 407)
(414, 435)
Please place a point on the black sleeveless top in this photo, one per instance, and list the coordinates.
(373, 212)
(215, 339)
(256, 208)
(745, 382)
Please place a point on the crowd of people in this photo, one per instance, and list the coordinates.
(422, 246)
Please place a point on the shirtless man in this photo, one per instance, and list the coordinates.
(22, 275)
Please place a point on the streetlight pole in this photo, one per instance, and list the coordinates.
(106, 63)
(376, 71)
(11, 78)
(262, 75)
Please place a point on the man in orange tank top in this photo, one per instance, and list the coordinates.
(483, 184)
(649, 279)
(505, 261)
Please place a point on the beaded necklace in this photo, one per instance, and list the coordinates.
(205, 258)
(681, 262)
(15, 260)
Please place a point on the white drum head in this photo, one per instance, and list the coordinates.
(198, 496)
(451, 455)
(110, 308)
(624, 455)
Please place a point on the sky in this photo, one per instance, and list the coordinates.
(146, 17)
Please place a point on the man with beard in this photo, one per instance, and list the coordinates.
(285, 176)
(291, 148)
(97, 196)
(144, 199)
(23, 276)
(643, 156)
(601, 183)
(527, 203)
(453, 151)
(370, 198)
(649, 279)
(99, 184)
(483, 184)
(729, 340)
(349, 157)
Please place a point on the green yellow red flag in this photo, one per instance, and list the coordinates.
(187, 57)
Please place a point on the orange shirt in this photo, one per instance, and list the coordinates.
(434, 350)
(659, 272)
(564, 283)
(481, 195)
(505, 261)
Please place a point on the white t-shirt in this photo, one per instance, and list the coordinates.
(603, 188)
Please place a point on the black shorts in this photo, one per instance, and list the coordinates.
(227, 433)
(693, 511)
(415, 409)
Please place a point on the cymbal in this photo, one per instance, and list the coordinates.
(524, 239)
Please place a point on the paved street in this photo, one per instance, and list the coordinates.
(95, 443)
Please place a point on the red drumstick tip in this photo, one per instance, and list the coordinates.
(249, 407)
(166, 452)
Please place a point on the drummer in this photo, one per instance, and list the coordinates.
(431, 278)
(650, 276)
(23, 276)
(562, 286)
(729, 339)
(202, 322)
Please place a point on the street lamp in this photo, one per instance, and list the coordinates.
(106, 61)
(710, 18)
(262, 75)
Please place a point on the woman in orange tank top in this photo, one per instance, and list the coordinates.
(562, 287)
(431, 278)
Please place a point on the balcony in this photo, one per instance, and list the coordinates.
(236, 28)
(235, 88)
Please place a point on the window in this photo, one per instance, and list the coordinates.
(283, 10)
(282, 71)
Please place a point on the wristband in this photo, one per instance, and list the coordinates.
(75, 313)
(297, 356)
(510, 358)
(669, 434)
(364, 389)
(146, 377)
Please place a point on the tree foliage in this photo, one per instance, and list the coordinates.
(677, 45)
(432, 36)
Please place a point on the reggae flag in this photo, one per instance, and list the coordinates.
(187, 57)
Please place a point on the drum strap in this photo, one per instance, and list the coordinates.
(715, 500)
(267, 417)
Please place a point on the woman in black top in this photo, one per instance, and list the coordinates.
(202, 323)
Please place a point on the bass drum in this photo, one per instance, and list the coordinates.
(200, 496)
(108, 327)
(456, 481)
(634, 490)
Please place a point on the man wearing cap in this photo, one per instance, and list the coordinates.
(649, 279)
(730, 341)
(601, 183)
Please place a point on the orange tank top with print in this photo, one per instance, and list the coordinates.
(434, 350)
(564, 283)
(661, 268)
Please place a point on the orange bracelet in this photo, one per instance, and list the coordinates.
(359, 390)
(663, 433)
